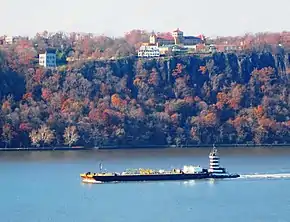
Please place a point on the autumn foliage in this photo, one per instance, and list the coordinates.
(102, 98)
(116, 100)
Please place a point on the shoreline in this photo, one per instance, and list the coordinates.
(138, 147)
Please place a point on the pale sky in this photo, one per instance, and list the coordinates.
(115, 17)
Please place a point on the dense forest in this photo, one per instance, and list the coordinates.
(187, 100)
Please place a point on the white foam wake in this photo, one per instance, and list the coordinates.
(266, 176)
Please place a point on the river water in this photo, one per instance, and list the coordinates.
(45, 186)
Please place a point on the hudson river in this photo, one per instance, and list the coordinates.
(45, 186)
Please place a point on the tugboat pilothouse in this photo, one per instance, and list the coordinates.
(215, 170)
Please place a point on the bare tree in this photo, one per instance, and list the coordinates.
(43, 135)
(46, 134)
(70, 135)
(35, 137)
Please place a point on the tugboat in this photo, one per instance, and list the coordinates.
(215, 171)
(187, 173)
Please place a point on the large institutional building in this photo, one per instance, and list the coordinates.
(162, 44)
(175, 38)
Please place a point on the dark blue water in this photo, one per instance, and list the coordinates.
(46, 187)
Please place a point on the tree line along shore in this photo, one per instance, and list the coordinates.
(82, 148)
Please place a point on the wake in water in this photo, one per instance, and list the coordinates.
(266, 176)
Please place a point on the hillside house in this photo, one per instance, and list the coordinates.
(47, 58)
(148, 51)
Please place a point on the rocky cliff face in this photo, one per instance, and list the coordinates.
(238, 67)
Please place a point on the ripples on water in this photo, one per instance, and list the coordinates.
(45, 186)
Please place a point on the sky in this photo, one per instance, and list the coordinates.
(115, 17)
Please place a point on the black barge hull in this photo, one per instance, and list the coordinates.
(125, 178)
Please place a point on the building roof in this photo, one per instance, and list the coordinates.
(201, 36)
(177, 30)
(148, 44)
(49, 50)
(166, 46)
(153, 33)
(192, 37)
(166, 37)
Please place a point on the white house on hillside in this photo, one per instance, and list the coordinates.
(48, 59)
(148, 51)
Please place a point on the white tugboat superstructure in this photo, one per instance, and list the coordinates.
(214, 165)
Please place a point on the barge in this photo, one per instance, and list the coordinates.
(186, 173)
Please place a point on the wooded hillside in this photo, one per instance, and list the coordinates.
(224, 99)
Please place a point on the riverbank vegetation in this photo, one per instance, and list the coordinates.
(224, 98)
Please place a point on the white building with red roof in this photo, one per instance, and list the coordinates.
(175, 38)
(166, 41)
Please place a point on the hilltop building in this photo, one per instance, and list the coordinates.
(149, 51)
(47, 58)
(9, 40)
(175, 38)
(171, 42)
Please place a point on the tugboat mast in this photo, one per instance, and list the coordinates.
(100, 167)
